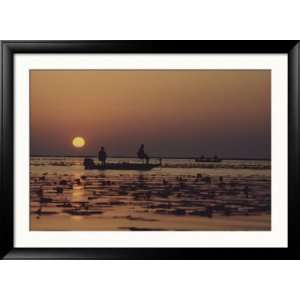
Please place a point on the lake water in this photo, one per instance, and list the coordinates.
(179, 195)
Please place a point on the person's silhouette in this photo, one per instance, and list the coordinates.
(142, 155)
(102, 156)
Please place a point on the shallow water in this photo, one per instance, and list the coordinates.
(180, 195)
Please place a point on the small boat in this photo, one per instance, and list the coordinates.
(90, 165)
(208, 159)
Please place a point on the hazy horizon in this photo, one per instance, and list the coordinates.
(175, 113)
(153, 156)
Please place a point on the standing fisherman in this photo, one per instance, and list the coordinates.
(102, 156)
(142, 155)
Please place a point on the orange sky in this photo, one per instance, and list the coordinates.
(174, 113)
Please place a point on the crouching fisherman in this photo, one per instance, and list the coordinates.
(89, 164)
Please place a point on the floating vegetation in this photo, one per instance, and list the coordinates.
(138, 197)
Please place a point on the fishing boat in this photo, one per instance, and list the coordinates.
(208, 159)
(89, 164)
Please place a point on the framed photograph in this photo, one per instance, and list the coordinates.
(150, 150)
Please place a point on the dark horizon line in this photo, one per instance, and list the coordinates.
(155, 157)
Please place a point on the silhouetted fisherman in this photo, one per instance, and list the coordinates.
(142, 155)
(102, 156)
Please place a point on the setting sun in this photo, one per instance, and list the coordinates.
(78, 142)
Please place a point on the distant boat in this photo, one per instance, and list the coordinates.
(90, 165)
(209, 159)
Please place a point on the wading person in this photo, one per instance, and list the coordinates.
(102, 156)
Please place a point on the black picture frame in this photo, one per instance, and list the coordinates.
(9, 48)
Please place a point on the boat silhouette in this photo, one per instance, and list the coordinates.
(208, 159)
(89, 164)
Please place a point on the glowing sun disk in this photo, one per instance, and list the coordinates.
(78, 142)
